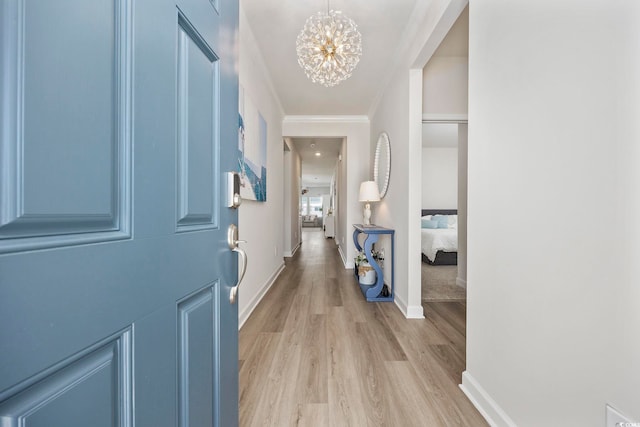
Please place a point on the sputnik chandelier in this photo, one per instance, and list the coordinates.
(329, 47)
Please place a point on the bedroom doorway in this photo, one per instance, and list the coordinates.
(444, 167)
(443, 266)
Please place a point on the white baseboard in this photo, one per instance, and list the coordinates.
(461, 282)
(410, 312)
(415, 312)
(349, 265)
(289, 254)
(242, 317)
(488, 407)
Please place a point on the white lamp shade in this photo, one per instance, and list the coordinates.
(369, 192)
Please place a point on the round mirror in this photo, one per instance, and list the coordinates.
(382, 163)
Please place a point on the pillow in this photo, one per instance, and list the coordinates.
(453, 221)
(442, 220)
(429, 223)
(426, 217)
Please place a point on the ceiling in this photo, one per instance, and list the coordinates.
(317, 170)
(275, 25)
(385, 27)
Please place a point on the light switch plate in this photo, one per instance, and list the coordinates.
(615, 419)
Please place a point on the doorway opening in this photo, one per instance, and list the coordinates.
(444, 167)
(443, 221)
(314, 176)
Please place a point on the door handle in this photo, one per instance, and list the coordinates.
(232, 240)
(243, 261)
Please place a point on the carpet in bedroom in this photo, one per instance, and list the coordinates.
(439, 283)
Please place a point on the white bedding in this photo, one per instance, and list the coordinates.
(439, 239)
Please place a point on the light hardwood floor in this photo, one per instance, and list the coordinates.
(315, 353)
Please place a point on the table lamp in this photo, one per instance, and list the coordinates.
(368, 193)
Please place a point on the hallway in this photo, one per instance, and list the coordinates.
(315, 353)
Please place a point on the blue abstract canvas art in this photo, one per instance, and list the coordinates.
(252, 151)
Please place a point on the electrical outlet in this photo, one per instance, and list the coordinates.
(615, 419)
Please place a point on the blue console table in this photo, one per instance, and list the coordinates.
(373, 232)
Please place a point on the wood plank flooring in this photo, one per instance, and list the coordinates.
(315, 353)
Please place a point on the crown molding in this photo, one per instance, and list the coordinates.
(325, 119)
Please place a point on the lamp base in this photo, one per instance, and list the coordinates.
(366, 215)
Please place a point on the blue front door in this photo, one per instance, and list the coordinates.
(118, 119)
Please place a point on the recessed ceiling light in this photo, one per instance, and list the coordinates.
(318, 154)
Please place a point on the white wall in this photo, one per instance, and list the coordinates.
(399, 113)
(392, 117)
(353, 169)
(287, 167)
(326, 203)
(341, 229)
(439, 178)
(463, 132)
(553, 306)
(291, 184)
(264, 244)
(445, 83)
(446, 75)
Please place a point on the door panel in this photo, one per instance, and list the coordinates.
(196, 355)
(92, 388)
(114, 267)
(197, 83)
(43, 204)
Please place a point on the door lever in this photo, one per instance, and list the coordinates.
(243, 262)
(233, 242)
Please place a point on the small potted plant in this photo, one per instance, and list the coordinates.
(366, 273)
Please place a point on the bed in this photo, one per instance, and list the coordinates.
(439, 245)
